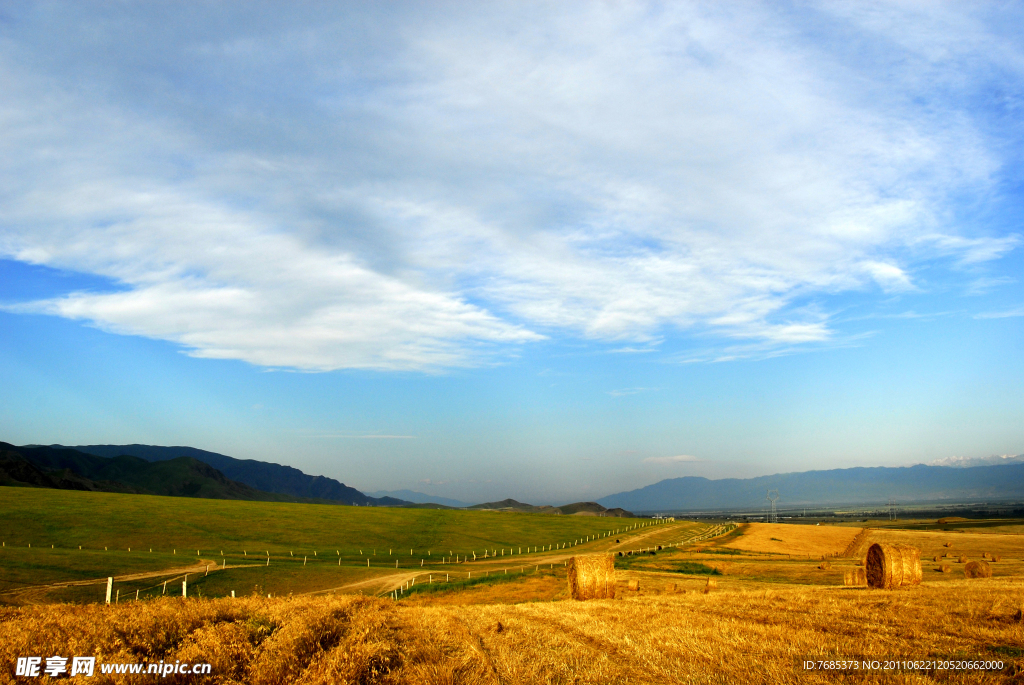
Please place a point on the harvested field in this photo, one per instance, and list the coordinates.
(675, 638)
(791, 539)
(969, 545)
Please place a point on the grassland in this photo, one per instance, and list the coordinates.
(504, 618)
(729, 636)
(76, 536)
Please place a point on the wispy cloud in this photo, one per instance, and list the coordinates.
(622, 392)
(366, 437)
(1006, 314)
(406, 189)
(677, 459)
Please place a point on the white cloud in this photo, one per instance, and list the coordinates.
(623, 392)
(966, 462)
(677, 459)
(1006, 314)
(410, 191)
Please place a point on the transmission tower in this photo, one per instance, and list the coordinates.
(892, 509)
(773, 495)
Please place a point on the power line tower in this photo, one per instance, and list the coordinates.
(892, 509)
(773, 496)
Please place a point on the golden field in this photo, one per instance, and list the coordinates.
(785, 538)
(730, 636)
(770, 610)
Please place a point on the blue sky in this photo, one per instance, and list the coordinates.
(549, 251)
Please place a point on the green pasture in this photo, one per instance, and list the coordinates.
(94, 520)
(337, 542)
(23, 566)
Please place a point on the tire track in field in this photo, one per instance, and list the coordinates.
(200, 567)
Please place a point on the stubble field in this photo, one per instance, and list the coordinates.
(509, 619)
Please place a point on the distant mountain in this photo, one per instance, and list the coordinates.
(835, 487)
(576, 509)
(261, 475)
(509, 505)
(418, 498)
(68, 469)
(591, 509)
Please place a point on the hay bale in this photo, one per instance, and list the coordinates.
(712, 585)
(986, 555)
(634, 585)
(1019, 616)
(978, 569)
(962, 559)
(949, 544)
(855, 578)
(592, 576)
(996, 557)
(824, 566)
(946, 568)
(937, 558)
(892, 566)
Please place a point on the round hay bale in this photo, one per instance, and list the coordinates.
(892, 566)
(949, 544)
(946, 568)
(937, 558)
(985, 555)
(824, 566)
(855, 577)
(634, 585)
(997, 557)
(962, 559)
(591, 576)
(978, 569)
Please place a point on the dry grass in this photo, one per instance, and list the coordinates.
(784, 538)
(971, 545)
(729, 636)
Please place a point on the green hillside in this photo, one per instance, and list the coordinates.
(97, 520)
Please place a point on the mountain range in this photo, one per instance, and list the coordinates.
(259, 475)
(67, 469)
(191, 472)
(920, 483)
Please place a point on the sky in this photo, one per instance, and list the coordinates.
(549, 251)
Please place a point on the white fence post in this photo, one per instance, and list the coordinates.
(110, 586)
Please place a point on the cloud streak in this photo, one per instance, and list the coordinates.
(677, 459)
(398, 191)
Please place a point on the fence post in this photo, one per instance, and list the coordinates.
(110, 585)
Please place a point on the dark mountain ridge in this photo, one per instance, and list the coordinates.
(260, 475)
(68, 469)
